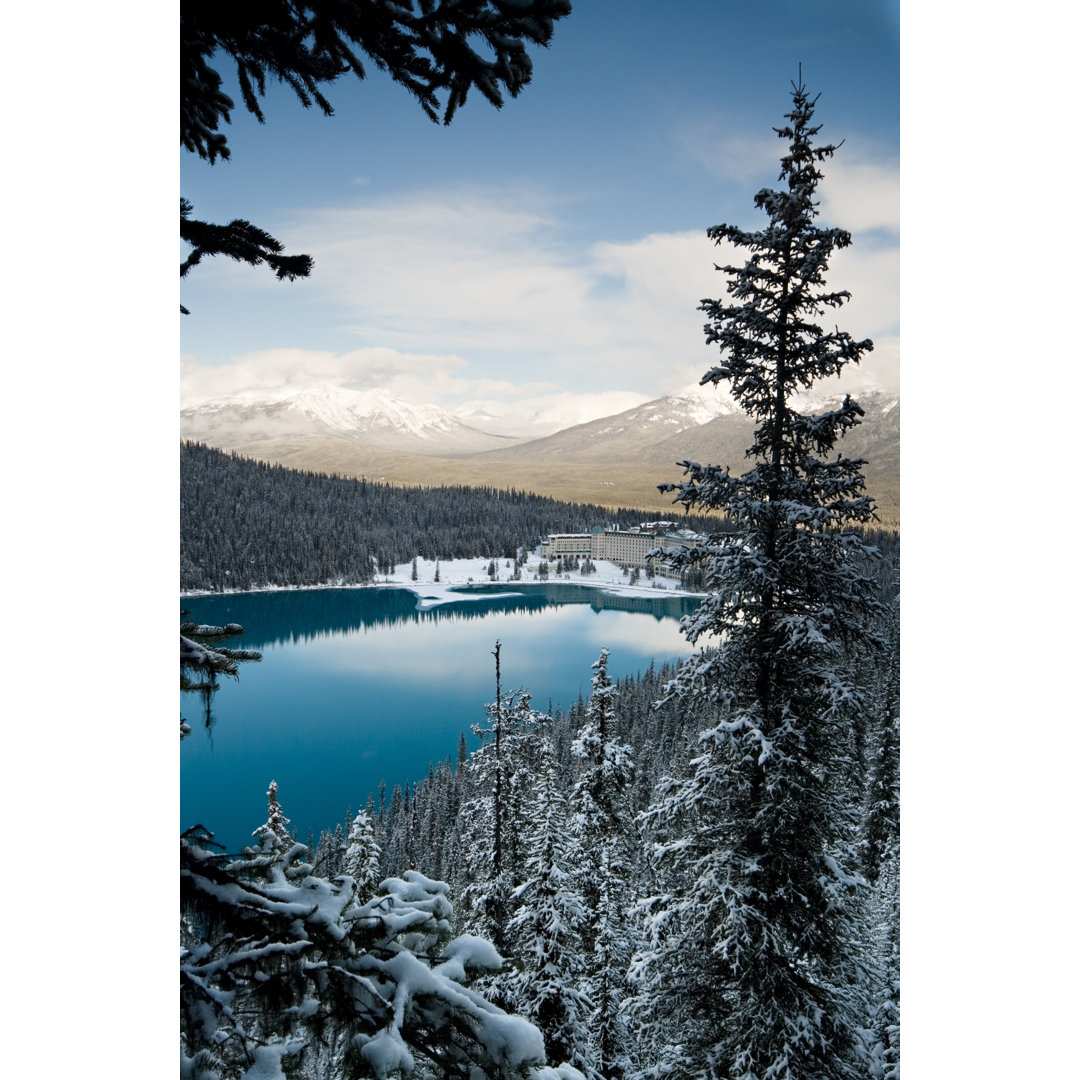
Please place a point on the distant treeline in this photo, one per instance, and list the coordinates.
(245, 524)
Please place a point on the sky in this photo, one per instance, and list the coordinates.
(541, 265)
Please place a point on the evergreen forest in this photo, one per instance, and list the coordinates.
(248, 525)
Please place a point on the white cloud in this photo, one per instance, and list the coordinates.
(466, 271)
(272, 370)
(500, 406)
(861, 194)
(466, 301)
(479, 279)
(744, 159)
(860, 190)
(547, 413)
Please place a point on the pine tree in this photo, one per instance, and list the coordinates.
(499, 773)
(756, 953)
(274, 833)
(602, 830)
(544, 931)
(880, 831)
(203, 658)
(287, 974)
(362, 856)
(880, 850)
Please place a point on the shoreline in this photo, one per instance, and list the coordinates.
(460, 574)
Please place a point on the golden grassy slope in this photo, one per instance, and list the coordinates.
(610, 485)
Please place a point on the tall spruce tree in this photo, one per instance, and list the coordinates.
(499, 774)
(275, 832)
(755, 953)
(544, 931)
(880, 850)
(603, 832)
(362, 856)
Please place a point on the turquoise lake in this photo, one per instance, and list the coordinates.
(361, 685)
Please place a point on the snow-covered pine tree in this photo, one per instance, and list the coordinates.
(544, 931)
(881, 817)
(603, 829)
(274, 833)
(287, 974)
(492, 834)
(203, 658)
(755, 957)
(885, 988)
(362, 856)
(880, 850)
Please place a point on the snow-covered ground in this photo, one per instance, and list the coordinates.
(453, 573)
(457, 572)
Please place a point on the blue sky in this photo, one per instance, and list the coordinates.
(541, 265)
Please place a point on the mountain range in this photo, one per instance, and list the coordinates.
(372, 417)
(617, 460)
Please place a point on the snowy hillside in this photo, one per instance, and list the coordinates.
(704, 418)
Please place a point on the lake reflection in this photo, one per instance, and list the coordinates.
(359, 685)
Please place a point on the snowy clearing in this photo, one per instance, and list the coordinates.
(456, 573)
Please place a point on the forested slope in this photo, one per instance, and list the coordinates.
(574, 794)
(245, 524)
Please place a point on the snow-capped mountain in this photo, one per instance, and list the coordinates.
(690, 407)
(622, 436)
(724, 438)
(616, 460)
(700, 422)
(372, 417)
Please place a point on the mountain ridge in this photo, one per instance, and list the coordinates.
(615, 460)
(374, 417)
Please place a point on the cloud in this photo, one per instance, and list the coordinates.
(860, 190)
(547, 413)
(872, 275)
(289, 369)
(464, 271)
(743, 159)
(534, 408)
(467, 301)
(861, 194)
(475, 276)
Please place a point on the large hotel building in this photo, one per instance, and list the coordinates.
(622, 547)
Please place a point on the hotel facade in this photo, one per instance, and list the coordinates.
(623, 547)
